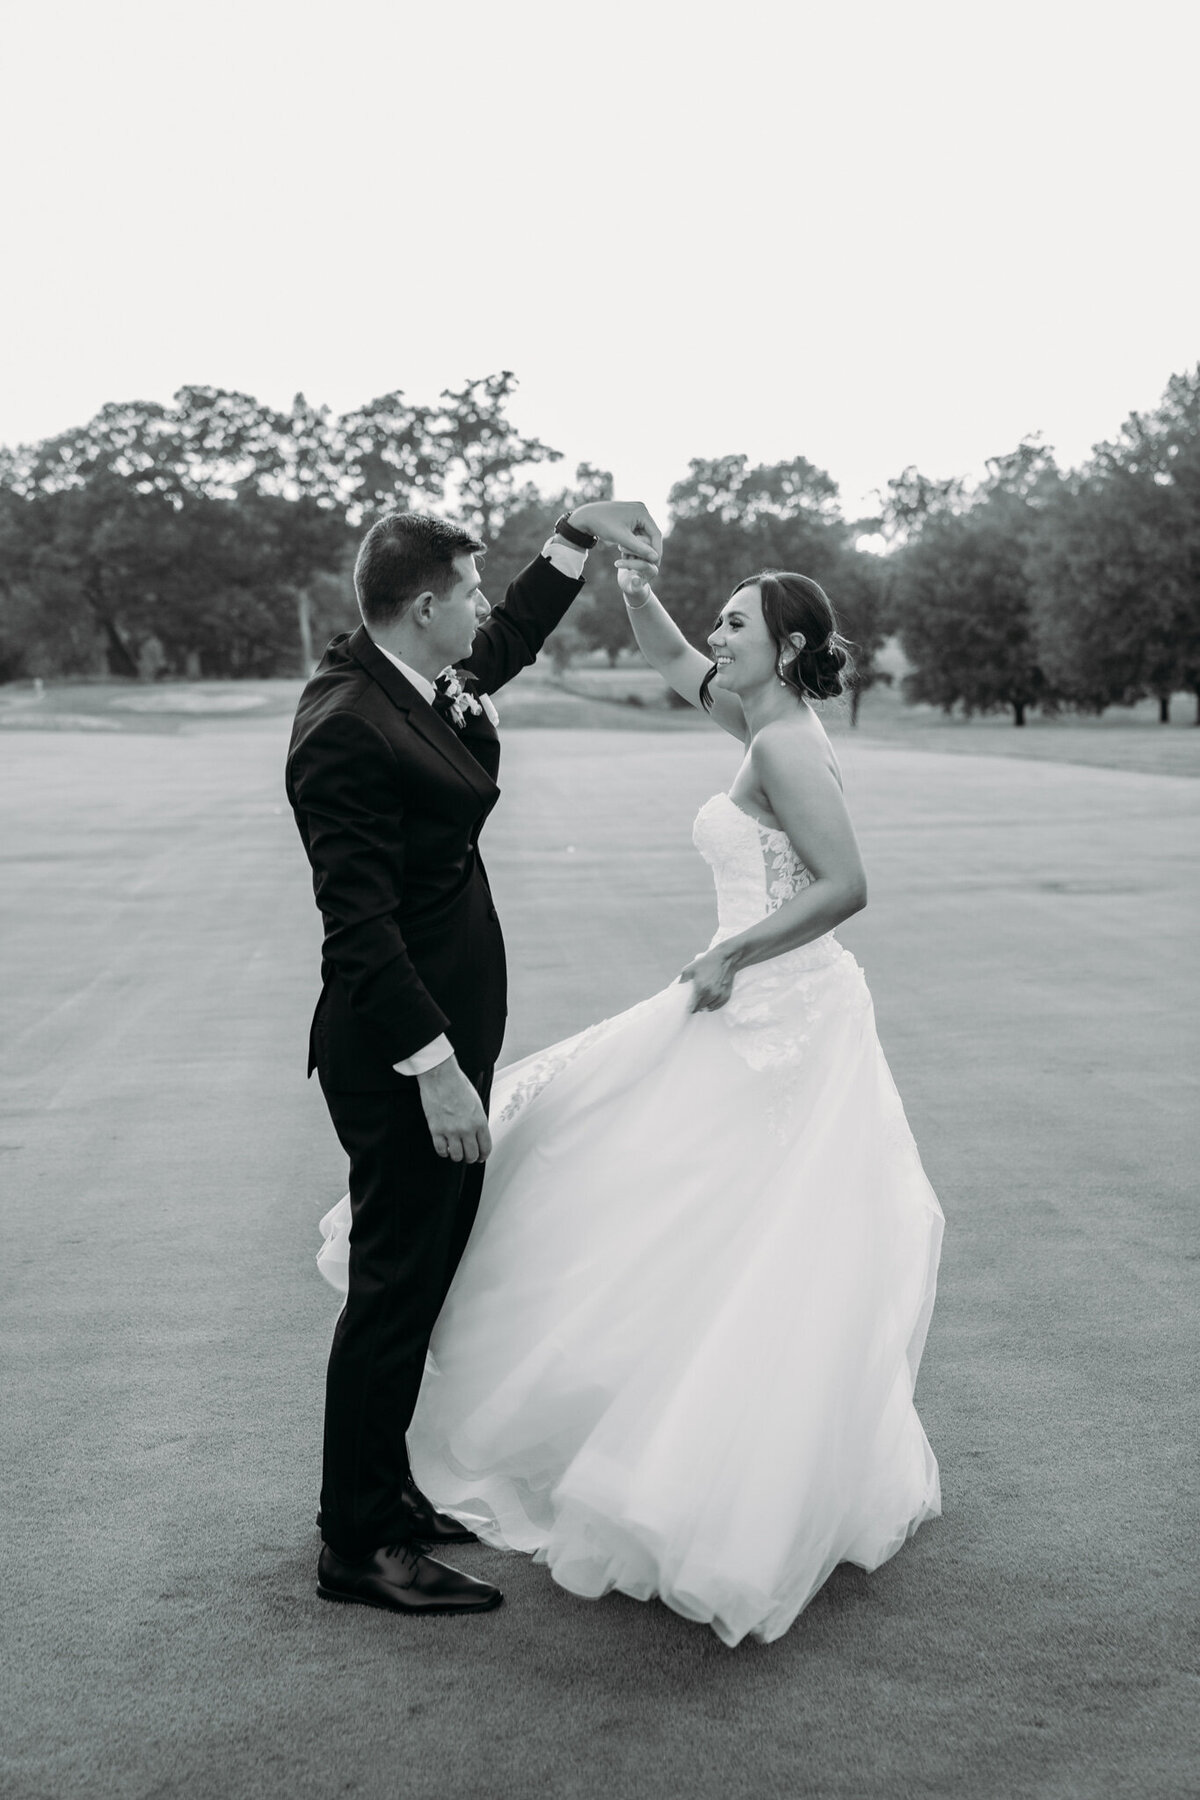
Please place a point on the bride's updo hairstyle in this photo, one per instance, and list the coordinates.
(796, 603)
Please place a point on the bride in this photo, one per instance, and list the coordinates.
(679, 1353)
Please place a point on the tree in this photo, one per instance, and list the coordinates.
(483, 451)
(1154, 467)
(597, 618)
(729, 520)
(861, 591)
(962, 589)
(223, 443)
(1102, 590)
(962, 598)
(394, 458)
(911, 499)
(195, 529)
(1178, 422)
(46, 627)
(109, 548)
(1115, 563)
(295, 476)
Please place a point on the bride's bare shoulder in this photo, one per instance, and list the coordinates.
(797, 743)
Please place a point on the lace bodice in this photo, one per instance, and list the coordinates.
(754, 865)
(770, 1013)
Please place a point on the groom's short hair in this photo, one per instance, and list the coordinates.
(401, 556)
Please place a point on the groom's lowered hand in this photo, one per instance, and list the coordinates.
(625, 523)
(454, 1113)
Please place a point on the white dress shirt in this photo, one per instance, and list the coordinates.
(569, 560)
(422, 683)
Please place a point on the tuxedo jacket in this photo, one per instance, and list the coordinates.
(390, 798)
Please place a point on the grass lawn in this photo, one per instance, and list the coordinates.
(1122, 738)
(633, 698)
(1031, 946)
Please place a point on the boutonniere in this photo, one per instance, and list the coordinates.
(460, 700)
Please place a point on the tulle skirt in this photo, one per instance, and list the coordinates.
(678, 1357)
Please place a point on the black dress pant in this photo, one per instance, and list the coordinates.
(412, 1212)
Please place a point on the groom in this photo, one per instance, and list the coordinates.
(391, 774)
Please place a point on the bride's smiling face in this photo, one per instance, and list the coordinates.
(742, 647)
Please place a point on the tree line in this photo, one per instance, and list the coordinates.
(215, 537)
(1052, 588)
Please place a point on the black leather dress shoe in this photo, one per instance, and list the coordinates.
(401, 1580)
(426, 1524)
(422, 1523)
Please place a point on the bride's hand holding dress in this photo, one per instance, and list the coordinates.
(788, 772)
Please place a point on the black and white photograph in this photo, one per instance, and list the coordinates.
(600, 804)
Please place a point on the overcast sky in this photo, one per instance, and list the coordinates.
(871, 234)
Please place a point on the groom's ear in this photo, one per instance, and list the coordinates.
(422, 607)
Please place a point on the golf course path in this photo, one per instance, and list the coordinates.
(1030, 942)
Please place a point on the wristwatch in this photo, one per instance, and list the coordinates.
(571, 534)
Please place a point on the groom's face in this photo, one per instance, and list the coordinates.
(456, 617)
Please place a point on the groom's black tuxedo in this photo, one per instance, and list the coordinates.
(390, 798)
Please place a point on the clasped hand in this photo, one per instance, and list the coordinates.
(625, 523)
(711, 976)
(634, 575)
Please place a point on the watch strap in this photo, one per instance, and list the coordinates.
(571, 534)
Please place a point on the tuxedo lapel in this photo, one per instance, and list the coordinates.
(434, 730)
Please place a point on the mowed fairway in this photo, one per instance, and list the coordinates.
(1030, 943)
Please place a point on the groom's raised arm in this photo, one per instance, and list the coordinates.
(538, 600)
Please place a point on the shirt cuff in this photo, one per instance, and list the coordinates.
(568, 559)
(421, 1061)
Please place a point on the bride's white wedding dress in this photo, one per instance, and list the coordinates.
(678, 1356)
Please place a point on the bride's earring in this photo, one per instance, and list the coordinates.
(783, 663)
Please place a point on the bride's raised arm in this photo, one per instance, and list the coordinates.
(665, 648)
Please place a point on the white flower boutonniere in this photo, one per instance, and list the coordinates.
(461, 701)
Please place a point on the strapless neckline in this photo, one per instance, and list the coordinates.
(755, 866)
(771, 831)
